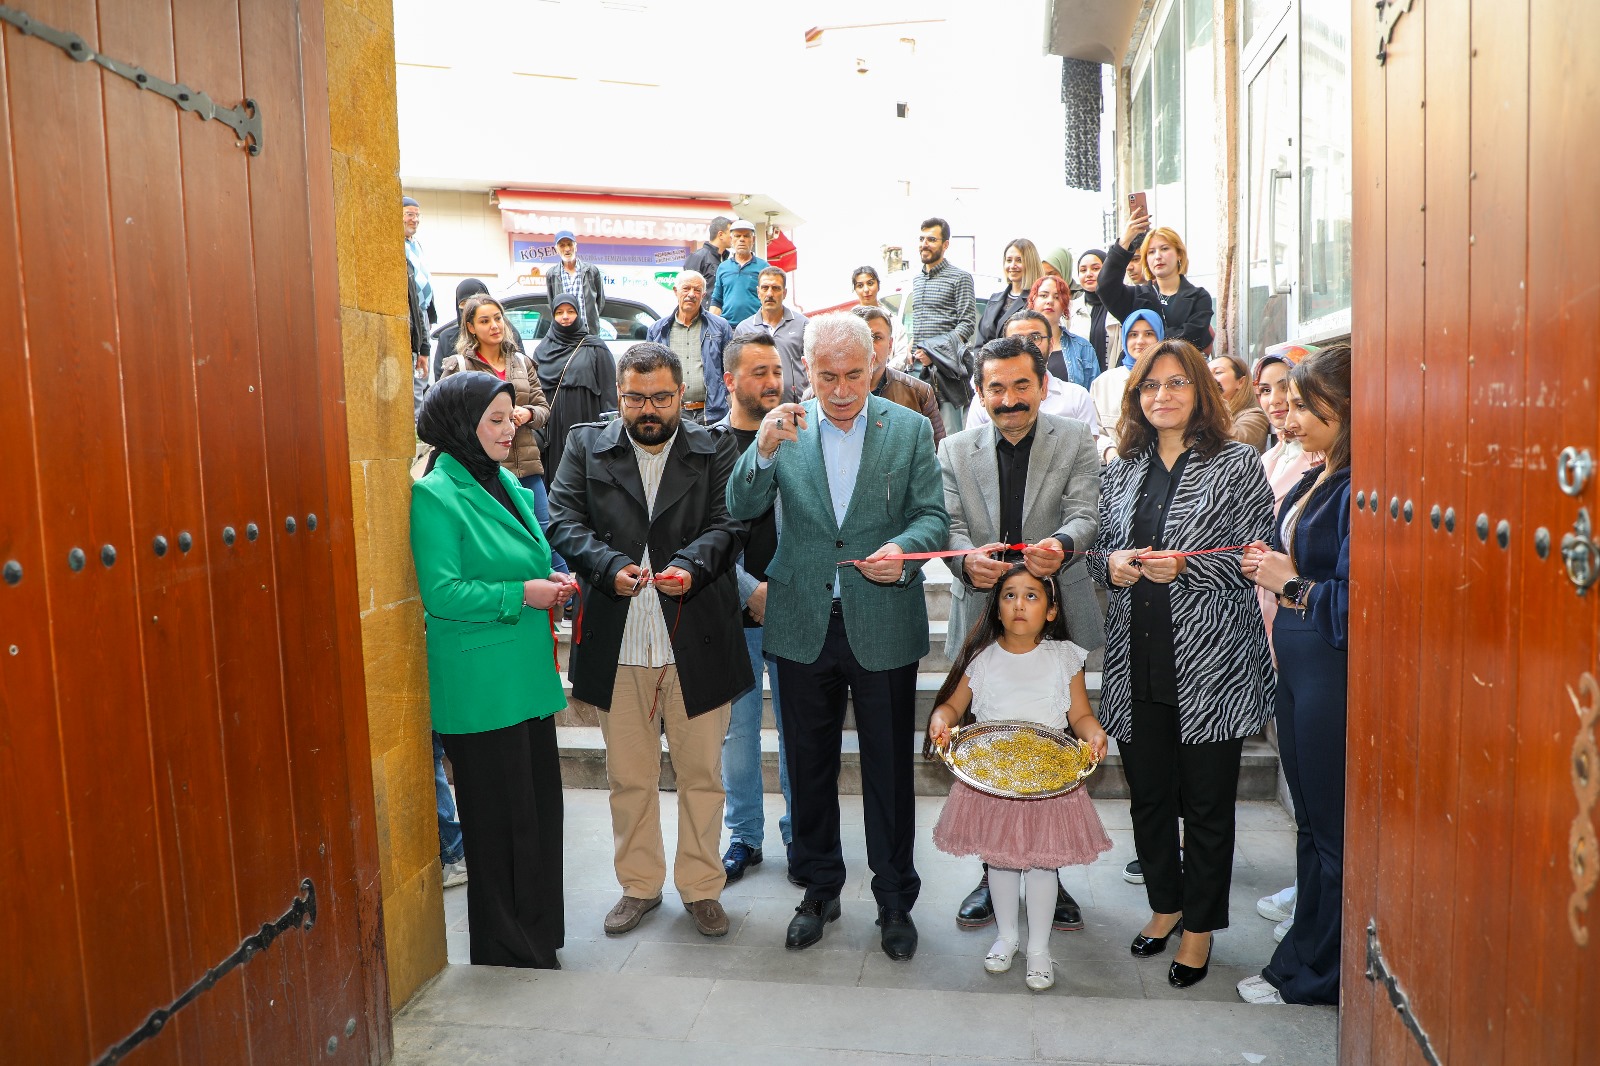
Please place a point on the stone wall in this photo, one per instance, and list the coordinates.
(377, 365)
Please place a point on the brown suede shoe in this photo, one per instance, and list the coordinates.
(709, 917)
(627, 914)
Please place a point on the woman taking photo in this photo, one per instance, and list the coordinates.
(1306, 565)
(483, 569)
(1184, 306)
(1020, 268)
(578, 373)
(1249, 422)
(1187, 675)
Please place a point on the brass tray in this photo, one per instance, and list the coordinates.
(1018, 760)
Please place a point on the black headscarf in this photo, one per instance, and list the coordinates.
(450, 416)
(1097, 314)
(559, 344)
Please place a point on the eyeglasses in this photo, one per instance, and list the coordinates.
(660, 400)
(1151, 388)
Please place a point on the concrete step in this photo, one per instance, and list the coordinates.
(583, 765)
(928, 685)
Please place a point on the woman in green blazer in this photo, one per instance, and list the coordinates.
(483, 568)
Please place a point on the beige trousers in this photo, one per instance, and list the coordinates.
(633, 772)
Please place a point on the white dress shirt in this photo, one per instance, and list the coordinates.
(645, 639)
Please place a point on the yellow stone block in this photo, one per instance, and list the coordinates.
(413, 808)
(388, 515)
(344, 228)
(380, 821)
(377, 386)
(415, 935)
(395, 660)
(380, 250)
(361, 75)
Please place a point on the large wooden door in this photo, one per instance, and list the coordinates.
(182, 721)
(1471, 922)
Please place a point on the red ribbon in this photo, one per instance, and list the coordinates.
(898, 556)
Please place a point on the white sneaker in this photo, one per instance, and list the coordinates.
(1000, 955)
(1257, 990)
(1281, 930)
(455, 874)
(1041, 972)
(1278, 906)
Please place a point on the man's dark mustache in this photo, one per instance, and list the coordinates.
(1014, 409)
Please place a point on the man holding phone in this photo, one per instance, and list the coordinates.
(857, 480)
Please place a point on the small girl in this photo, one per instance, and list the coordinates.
(1018, 665)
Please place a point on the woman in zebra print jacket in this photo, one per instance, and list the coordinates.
(1187, 672)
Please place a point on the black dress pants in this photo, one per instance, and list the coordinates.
(1166, 779)
(508, 793)
(814, 697)
(1312, 711)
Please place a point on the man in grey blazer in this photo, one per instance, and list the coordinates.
(1024, 478)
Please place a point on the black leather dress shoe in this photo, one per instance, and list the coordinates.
(1069, 919)
(738, 857)
(899, 934)
(805, 928)
(977, 910)
(1181, 976)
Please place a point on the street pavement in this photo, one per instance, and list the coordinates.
(664, 994)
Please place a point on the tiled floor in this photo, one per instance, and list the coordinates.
(664, 994)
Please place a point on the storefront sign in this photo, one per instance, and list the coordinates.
(597, 224)
(530, 249)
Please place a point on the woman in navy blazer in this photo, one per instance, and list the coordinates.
(1187, 675)
(1307, 565)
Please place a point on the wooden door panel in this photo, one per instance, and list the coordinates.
(33, 797)
(157, 362)
(1369, 347)
(1496, 312)
(291, 403)
(73, 378)
(1402, 489)
(1445, 599)
(1548, 1017)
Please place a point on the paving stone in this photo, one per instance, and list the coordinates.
(1188, 1034)
(562, 1001)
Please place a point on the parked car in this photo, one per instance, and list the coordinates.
(622, 324)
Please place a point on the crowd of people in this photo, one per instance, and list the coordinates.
(742, 504)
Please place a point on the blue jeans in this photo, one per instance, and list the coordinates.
(534, 483)
(745, 812)
(450, 846)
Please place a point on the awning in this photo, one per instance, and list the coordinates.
(647, 219)
(1096, 30)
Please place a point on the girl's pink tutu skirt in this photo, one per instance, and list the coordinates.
(1021, 834)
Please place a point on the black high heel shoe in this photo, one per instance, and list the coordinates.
(1145, 947)
(1181, 976)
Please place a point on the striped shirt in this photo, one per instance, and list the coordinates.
(571, 282)
(942, 302)
(645, 640)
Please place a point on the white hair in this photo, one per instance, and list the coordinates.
(685, 275)
(835, 331)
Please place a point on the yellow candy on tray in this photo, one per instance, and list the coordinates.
(1018, 759)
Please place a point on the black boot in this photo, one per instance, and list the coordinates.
(1068, 917)
(977, 910)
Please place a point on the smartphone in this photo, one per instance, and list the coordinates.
(1137, 204)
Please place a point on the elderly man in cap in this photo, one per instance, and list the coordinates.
(734, 295)
(582, 280)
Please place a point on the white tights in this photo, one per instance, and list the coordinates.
(1005, 890)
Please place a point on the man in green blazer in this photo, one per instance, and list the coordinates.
(858, 480)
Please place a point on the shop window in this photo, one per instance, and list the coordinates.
(1325, 193)
(1202, 198)
(1140, 132)
(1167, 103)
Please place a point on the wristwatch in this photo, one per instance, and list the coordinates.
(1294, 588)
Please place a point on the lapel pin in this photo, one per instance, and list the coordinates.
(880, 425)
